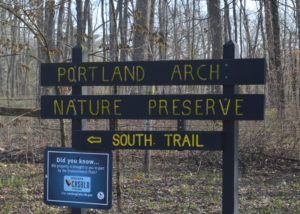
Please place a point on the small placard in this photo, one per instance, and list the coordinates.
(78, 179)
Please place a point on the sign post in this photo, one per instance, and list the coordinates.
(77, 124)
(230, 146)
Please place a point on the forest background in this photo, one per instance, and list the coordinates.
(37, 31)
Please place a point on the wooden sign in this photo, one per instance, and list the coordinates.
(162, 140)
(228, 107)
(195, 107)
(183, 72)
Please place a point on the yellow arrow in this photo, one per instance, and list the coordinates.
(93, 139)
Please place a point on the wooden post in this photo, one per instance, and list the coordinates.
(79, 56)
(181, 125)
(230, 146)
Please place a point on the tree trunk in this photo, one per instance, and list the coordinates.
(227, 21)
(258, 27)
(140, 45)
(103, 31)
(12, 65)
(68, 31)
(85, 15)
(151, 31)
(123, 32)
(277, 58)
(270, 47)
(215, 26)
(112, 36)
(49, 27)
(188, 28)
(59, 35)
(241, 33)
(162, 24)
(19, 61)
(80, 30)
(90, 40)
(175, 40)
(298, 26)
(193, 31)
(40, 23)
(298, 20)
(247, 29)
(3, 17)
(265, 52)
(141, 22)
(234, 20)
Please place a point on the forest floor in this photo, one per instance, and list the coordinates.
(176, 184)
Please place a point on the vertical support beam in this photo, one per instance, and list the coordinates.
(230, 146)
(181, 125)
(113, 126)
(78, 124)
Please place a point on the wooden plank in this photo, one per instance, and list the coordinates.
(183, 72)
(195, 107)
(147, 140)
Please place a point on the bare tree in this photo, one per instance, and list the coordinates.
(298, 19)
(270, 48)
(103, 31)
(215, 26)
(12, 65)
(175, 39)
(80, 29)
(227, 30)
(215, 30)
(247, 28)
(298, 26)
(140, 45)
(88, 25)
(59, 34)
(162, 24)
(234, 20)
(113, 35)
(49, 27)
(193, 44)
(68, 35)
(123, 30)
(151, 31)
(277, 58)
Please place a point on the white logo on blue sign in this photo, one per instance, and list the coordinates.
(100, 195)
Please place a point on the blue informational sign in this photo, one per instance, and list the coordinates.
(78, 178)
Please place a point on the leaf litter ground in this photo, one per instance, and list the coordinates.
(176, 184)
